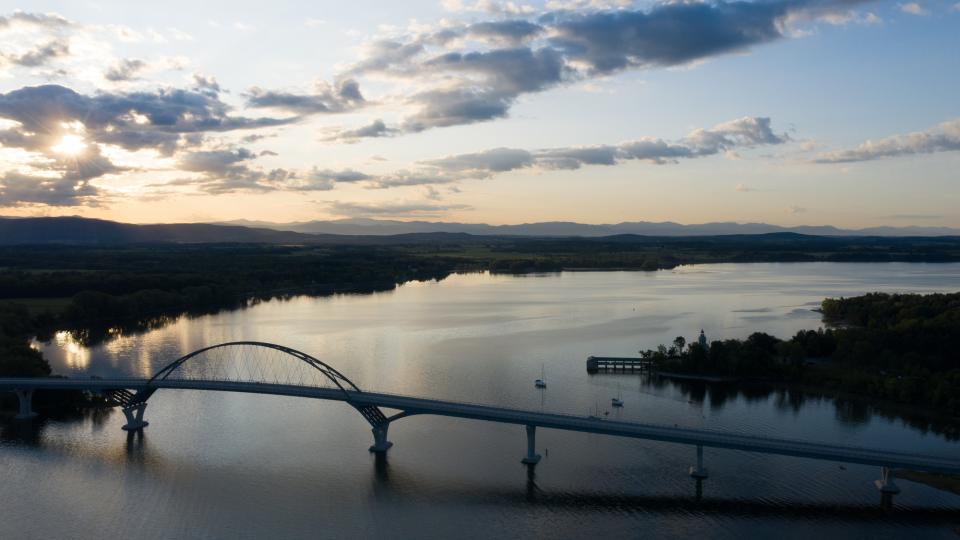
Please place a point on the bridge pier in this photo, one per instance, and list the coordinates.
(25, 397)
(888, 488)
(532, 457)
(699, 472)
(134, 414)
(380, 442)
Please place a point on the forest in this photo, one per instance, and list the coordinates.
(901, 347)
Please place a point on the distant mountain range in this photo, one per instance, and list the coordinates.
(77, 230)
(364, 226)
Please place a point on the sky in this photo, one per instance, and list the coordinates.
(790, 112)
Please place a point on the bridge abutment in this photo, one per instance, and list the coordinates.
(134, 414)
(532, 457)
(25, 399)
(380, 442)
(888, 488)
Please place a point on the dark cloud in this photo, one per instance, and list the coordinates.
(441, 108)
(485, 163)
(228, 171)
(388, 56)
(17, 189)
(341, 97)
(942, 138)
(62, 181)
(133, 120)
(39, 55)
(463, 87)
(503, 75)
(741, 133)
(206, 84)
(513, 32)
(165, 120)
(374, 129)
(124, 70)
(668, 34)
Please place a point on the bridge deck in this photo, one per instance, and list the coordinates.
(417, 405)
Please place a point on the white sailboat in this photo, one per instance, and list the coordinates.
(541, 382)
(617, 401)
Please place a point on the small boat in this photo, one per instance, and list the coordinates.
(541, 382)
(617, 401)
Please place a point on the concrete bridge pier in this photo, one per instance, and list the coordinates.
(25, 397)
(699, 473)
(888, 488)
(532, 457)
(380, 442)
(134, 414)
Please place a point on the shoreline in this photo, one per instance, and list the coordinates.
(943, 482)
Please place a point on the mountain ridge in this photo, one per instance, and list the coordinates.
(87, 231)
(366, 226)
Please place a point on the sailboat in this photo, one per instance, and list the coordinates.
(541, 382)
(617, 401)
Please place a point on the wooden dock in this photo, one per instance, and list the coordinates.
(615, 363)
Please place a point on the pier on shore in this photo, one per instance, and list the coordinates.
(616, 363)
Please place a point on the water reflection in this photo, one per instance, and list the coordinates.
(848, 410)
(220, 465)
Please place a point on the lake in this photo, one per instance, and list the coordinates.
(218, 465)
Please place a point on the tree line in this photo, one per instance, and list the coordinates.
(902, 347)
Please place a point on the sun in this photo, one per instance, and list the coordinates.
(70, 145)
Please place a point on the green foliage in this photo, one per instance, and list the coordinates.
(17, 358)
(904, 348)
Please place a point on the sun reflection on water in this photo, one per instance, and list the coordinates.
(76, 356)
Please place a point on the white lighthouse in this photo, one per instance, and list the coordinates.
(702, 340)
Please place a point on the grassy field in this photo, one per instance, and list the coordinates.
(38, 305)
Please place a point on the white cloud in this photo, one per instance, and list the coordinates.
(942, 138)
(914, 8)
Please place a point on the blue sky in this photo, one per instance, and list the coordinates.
(836, 112)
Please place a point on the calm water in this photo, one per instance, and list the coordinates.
(214, 465)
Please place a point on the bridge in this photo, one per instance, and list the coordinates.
(266, 368)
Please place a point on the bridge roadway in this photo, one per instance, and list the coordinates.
(532, 419)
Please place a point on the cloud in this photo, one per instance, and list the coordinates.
(741, 133)
(485, 163)
(22, 18)
(18, 189)
(527, 54)
(741, 188)
(512, 32)
(206, 84)
(343, 96)
(134, 120)
(326, 179)
(58, 181)
(374, 129)
(39, 55)
(747, 132)
(942, 138)
(794, 210)
(42, 119)
(393, 209)
(914, 8)
(124, 70)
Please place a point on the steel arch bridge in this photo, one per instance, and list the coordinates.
(252, 362)
(266, 368)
